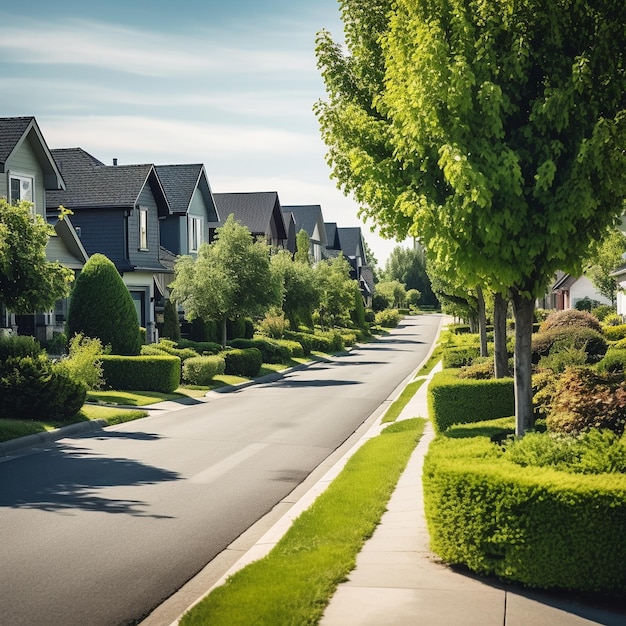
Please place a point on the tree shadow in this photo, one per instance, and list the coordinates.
(67, 478)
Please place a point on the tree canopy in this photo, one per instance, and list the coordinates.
(606, 256)
(230, 278)
(408, 265)
(493, 130)
(337, 291)
(28, 281)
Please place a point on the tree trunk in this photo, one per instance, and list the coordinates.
(482, 322)
(523, 309)
(224, 336)
(501, 357)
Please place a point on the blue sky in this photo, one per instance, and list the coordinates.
(230, 84)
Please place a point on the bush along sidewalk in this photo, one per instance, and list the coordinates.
(295, 581)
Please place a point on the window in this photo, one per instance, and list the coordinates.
(143, 229)
(21, 188)
(196, 233)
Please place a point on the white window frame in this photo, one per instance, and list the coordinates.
(196, 233)
(22, 176)
(143, 228)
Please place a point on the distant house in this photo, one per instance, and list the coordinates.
(117, 209)
(568, 290)
(620, 276)
(27, 171)
(349, 241)
(260, 212)
(310, 219)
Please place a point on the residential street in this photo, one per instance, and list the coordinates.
(101, 529)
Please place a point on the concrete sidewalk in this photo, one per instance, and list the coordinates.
(399, 582)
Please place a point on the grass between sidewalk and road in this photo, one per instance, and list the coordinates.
(295, 581)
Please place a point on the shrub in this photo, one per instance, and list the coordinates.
(458, 401)
(294, 347)
(540, 315)
(569, 318)
(558, 360)
(536, 526)
(602, 311)
(83, 363)
(142, 373)
(201, 347)
(18, 346)
(370, 316)
(166, 346)
(304, 339)
(101, 306)
(348, 337)
(615, 333)
(614, 361)
(171, 325)
(271, 351)
(586, 304)
(274, 324)
(328, 341)
(389, 318)
(243, 362)
(560, 338)
(585, 399)
(543, 385)
(32, 387)
(200, 370)
(481, 369)
(202, 331)
(613, 320)
(459, 356)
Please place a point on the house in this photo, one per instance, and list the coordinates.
(620, 276)
(310, 219)
(27, 172)
(260, 212)
(349, 241)
(116, 212)
(568, 290)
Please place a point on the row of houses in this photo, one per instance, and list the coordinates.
(143, 217)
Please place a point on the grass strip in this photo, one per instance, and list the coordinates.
(435, 357)
(295, 581)
(401, 401)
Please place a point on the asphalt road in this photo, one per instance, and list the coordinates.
(100, 529)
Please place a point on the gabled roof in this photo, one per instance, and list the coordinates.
(255, 210)
(181, 181)
(351, 242)
(65, 239)
(309, 218)
(13, 132)
(91, 184)
(332, 241)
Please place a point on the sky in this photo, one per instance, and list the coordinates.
(230, 84)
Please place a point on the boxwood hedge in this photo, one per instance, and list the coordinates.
(452, 400)
(145, 373)
(536, 526)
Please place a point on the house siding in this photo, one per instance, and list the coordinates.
(170, 230)
(103, 231)
(149, 257)
(25, 162)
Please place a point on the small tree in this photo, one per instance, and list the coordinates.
(303, 246)
(28, 282)
(102, 308)
(230, 278)
(606, 256)
(171, 325)
(337, 290)
(393, 291)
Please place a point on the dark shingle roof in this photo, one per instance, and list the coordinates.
(91, 184)
(179, 183)
(12, 129)
(254, 210)
(351, 241)
(332, 243)
(307, 218)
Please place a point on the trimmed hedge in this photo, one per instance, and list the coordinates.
(142, 373)
(242, 362)
(271, 350)
(304, 339)
(459, 356)
(200, 370)
(452, 400)
(201, 347)
(536, 526)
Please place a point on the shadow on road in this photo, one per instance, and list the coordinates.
(77, 478)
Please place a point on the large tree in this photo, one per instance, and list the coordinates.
(28, 281)
(408, 265)
(229, 279)
(507, 118)
(337, 291)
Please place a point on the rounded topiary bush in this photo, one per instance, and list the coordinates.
(200, 370)
(101, 307)
(577, 337)
(243, 362)
(569, 318)
(584, 398)
(614, 361)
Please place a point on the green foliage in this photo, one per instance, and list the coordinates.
(171, 325)
(358, 312)
(533, 525)
(203, 330)
(602, 311)
(200, 370)
(144, 373)
(167, 346)
(570, 318)
(274, 324)
(459, 356)
(605, 257)
(328, 342)
(102, 307)
(392, 291)
(336, 290)
(304, 339)
(586, 304)
(303, 246)
(614, 333)
(482, 368)
(201, 347)
(271, 351)
(558, 360)
(389, 318)
(33, 386)
(585, 398)
(83, 363)
(569, 338)
(294, 348)
(28, 282)
(613, 361)
(230, 278)
(593, 452)
(243, 362)
(18, 346)
(408, 266)
(452, 400)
